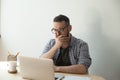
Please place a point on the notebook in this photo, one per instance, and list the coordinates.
(36, 69)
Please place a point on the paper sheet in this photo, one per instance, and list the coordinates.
(76, 78)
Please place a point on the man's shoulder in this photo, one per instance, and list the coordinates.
(51, 41)
(78, 40)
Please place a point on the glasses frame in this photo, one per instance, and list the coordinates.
(58, 30)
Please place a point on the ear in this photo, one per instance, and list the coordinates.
(70, 28)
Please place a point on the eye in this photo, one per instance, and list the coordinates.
(61, 29)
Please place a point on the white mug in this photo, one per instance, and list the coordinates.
(12, 66)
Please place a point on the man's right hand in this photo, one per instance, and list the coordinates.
(58, 43)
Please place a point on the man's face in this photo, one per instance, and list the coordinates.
(60, 28)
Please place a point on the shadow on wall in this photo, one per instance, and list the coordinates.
(103, 50)
(3, 56)
(3, 51)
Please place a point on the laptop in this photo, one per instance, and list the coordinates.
(36, 69)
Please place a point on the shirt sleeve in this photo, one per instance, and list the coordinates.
(84, 57)
(48, 46)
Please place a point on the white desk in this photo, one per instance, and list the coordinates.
(4, 75)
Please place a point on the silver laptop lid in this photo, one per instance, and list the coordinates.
(36, 69)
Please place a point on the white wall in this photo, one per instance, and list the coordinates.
(26, 28)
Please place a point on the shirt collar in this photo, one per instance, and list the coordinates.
(72, 40)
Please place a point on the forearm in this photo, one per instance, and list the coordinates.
(50, 53)
(79, 68)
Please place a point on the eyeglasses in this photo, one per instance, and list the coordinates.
(54, 31)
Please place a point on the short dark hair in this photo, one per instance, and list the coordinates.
(61, 18)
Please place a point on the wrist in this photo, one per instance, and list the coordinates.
(57, 69)
(56, 46)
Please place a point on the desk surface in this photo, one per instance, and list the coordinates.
(4, 75)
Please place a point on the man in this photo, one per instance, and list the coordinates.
(69, 54)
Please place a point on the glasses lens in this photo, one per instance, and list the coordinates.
(57, 30)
